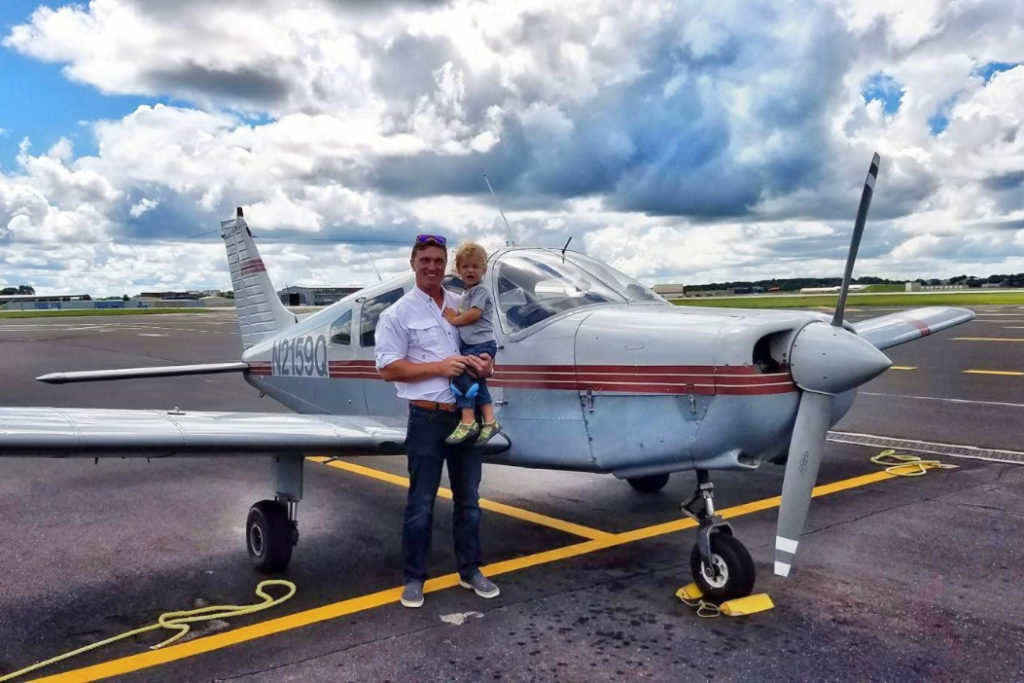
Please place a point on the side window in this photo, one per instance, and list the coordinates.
(453, 283)
(341, 330)
(372, 308)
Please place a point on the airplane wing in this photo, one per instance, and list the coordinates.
(899, 328)
(85, 432)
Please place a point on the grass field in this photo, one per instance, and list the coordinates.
(95, 312)
(952, 298)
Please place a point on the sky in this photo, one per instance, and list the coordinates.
(681, 142)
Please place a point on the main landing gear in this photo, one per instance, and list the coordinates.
(270, 529)
(721, 565)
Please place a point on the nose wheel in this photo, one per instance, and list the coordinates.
(721, 566)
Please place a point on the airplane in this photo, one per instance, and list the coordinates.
(595, 373)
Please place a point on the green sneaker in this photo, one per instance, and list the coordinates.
(487, 432)
(462, 433)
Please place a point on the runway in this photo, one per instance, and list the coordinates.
(896, 578)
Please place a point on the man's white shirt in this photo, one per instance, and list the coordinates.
(413, 329)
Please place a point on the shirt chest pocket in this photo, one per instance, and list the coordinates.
(427, 334)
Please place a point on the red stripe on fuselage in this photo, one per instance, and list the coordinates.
(649, 379)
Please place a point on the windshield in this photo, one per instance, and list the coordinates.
(633, 290)
(533, 286)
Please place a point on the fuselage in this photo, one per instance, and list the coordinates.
(594, 372)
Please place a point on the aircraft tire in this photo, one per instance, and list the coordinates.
(651, 484)
(269, 536)
(733, 560)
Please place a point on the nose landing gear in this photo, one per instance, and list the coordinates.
(721, 565)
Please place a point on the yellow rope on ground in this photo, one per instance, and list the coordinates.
(178, 621)
(903, 465)
(705, 609)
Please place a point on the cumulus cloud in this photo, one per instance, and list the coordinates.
(680, 141)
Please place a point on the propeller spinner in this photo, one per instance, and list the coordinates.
(825, 360)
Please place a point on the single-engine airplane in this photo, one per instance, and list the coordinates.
(596, 373)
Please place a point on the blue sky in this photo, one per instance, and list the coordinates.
(680, 142)
(41, 103)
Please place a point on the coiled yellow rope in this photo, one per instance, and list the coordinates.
(178, 621)
(902, 465)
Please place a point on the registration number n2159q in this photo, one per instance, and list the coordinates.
(304, 356)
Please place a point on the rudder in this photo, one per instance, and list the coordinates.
(260, 312)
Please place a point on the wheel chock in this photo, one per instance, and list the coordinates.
(689, 593)
(751, 604)
(692, 596)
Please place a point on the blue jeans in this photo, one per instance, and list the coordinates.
(427, 453)
(464, 381)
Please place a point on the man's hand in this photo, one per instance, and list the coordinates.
(480, 366)
(450, 314)
(453, 366)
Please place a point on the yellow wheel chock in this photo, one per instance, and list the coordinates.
(691, 595)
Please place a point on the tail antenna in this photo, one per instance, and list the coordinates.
(509, 237)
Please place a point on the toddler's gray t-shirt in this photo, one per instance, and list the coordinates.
(483, 329)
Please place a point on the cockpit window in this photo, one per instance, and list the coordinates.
(341, 330)
(453, 283)
(534, 286)
(372, 309)
(633, 290)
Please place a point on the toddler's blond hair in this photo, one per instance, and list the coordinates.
(470, 251)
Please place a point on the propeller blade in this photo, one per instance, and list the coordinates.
(858, 230)
(805, 452)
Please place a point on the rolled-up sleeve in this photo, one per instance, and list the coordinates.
(392, 342)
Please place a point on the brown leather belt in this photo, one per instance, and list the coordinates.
(434, 405)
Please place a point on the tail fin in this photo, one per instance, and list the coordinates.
(260, 312)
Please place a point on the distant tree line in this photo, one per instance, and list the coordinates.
(20, 289)
(797, 283)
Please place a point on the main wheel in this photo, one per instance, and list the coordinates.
(269, 536)
(651, 484)
(732, 572)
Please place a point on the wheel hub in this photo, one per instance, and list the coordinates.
(717, 575)
(257, 542)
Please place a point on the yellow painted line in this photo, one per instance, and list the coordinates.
(493, 506)
(1007, 373)
(995, 339)
(144, 660)
(903, 367)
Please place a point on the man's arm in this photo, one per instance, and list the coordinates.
(406, 371)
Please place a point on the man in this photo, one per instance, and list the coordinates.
(418, 350)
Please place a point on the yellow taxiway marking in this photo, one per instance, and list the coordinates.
(500, 508)
(262, 629)
(995, 339)
(1007, 373)
(903, 367)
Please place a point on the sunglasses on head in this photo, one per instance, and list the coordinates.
(425, 239)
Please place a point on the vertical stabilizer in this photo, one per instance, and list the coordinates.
(260, 312)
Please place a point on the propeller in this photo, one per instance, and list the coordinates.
(825, 360)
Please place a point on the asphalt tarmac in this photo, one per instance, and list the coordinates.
(899, 579)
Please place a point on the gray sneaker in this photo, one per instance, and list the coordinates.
(480, 585)
(412, 594)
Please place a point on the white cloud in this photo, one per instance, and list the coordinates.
(680, 141)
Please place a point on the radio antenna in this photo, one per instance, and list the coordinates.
(509, 241)
(374, 264)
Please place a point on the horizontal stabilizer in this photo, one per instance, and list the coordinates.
(139, 373)
(899, 328)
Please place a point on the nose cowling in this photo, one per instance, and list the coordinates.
(830, 360)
